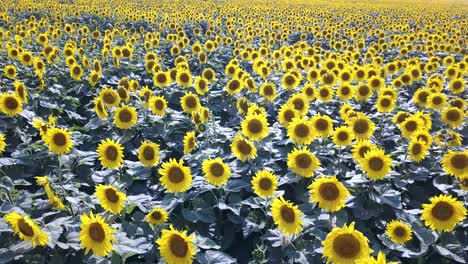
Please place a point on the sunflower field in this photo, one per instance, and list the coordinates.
(233, 131)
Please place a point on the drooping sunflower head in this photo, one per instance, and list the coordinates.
(190, 102)
(376, 164)
(243, 149)
(158, 105)
(399, 232)
(148, 154)
(303, 162)
(417, 149)
(286, 216)
(264, 183)
(175, 177)
(27, 229)
(255, 127)
(110, 153)
(443, 213)
(10, 104)
(329, 193)
(456, 163)
(322, 124)
(190, 142)
(125, 117)
(362, 127)
(157, 216)
(111, 199)
(96, 235)
(216, 171)
(176, 246)
(58, 140)
(345, 245)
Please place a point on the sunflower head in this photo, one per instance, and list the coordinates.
(111, 198)
(456, 163)
(286, 216)
(376, 164)
(243, 149)
(286, 114)
(96, 235)
(443, 213)
(190, 142)
(303, 162)
(399, 232)
(190, 103)
(157, 216)
(148, 154)
(452, 116)
(158, 105)
(10, 104)
(343, 136)
(175, 177)
(329, 193)
(110, 153)
(264, 183)
(27, 229)
(58, 140)
(417, 149)
(125, 117)
(362, 127)
(323, 125)
(175, 246)
(255, 127)
(216, 171)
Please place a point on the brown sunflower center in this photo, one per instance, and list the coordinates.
(442, 211)
(289, 80)
(234, 85)
(265, 184)
(321, 125)
(11, 103)
(361, 126)
(96, 232)
(457, 85)
(417, 148)
(178, 246)
(109, 98)
(289, 115)
(411, 125)
(25, 228)
(76, 70)
(148, 153)
(287, 214)
(363, 150)
(176, 175)
(217, 169)
(328, 79)
(268, 90)
(208, 75)
(346, 246)
(125, 115)
(303, 161)
(184, 78)
(329, 191)
(376, 163)
(324, 93)
(11, 71)
(437, 100)
(345, 90)
(364, 90)
(161, 78)
(111, 195)
(191, 102)
(422, 96)
(375, 83)
(60, 139)
(159, 104)
(385, 102)
(399, 231)
(459, 161)
(298, 104)
(156, 215)
(255, 126)
(112, 153)
(301, 130)
(343, 136)
(453, 115)
(243, 147)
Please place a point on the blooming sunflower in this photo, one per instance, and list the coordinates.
(99, 108)
(125, 117)
(303, 162)
(27, 229)
(417, 149)
(190, 103)
(268, 91)
(443, 213)
(289, 81)
(410, 126)
(110, 153)
(175, 177)
(286, 216)
(300, 131)
(325, 93)
(201, 85)
(381, 259)
(264, 183)
(329, 193)
(286, 114)
(345, 92)
(234, 86)
(76, 72)
(363, 92)
(299, 102)
(436, 101)
(362, 127)
(343, 136)
(398, 232)
(96, 235)
(176, 247)
(457, 85)
(376, 164)
(157, 216)
(10, 104)
(10, 71)
(243, 149)
(58, 140)
(361, 148)
(323, 125)
(184, 78)
(423, 135)
(456, 163)
(190, 142)
(110, 97)
(452, 116)
(148, 154)
(2, 143)
(161, 79)
(111, 199)
(345, 245)
(216, 171)
(158, 105)
(385, 104)
(255, 127)
(309, 91)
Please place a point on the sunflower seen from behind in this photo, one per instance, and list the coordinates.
(26, 229)
(176, 247)
(110, 198)
(157, 216)
(148, 153)
(286, 216)
(216, 171)
(443, 213)
(175, 176)
(329, 193)
(58, 140)
(398, 231)
(110, 153)
(264, 183)
(96, 235)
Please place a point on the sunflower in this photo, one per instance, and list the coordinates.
(381, 259)
(363, 92)
(110, 153)
(96, 235)
(398, 232)
(175, 177)
(58, 140)
(148, 154)
(329, 193)
(385, 104)
(268, 91)
(209, 74)
(300, 131)
(157, 216)
(325, 93)
(417, 149)
(158, 105)
(376, 164)
(10, 104)
(76, 72)
(27, 229)
(456, 163)
(420, 96)
(190, 142)
(286, 216)
(216, 171)
(423, 135)
(21, 91)
(345, 92)
(286, 114)
(343, 136)
(436, 101)
(299, 102)
(109, 96)
(362, 127)
(264, 183)
(410, 126)
(2, 143)
(161, 79)
(443, 213)
(345, 245)
(201, 85)
(190, 102)
(375, 83)
(452, 116)
(125, 117)
(176, 247)
(26, 58)
(255, 127)
(457, 85)
(10, 71)
(289, 81)
(99, 108)
(399, 117)
(234, 86)
(323, 125)
(303, 162)
(243, 149)
(111, 199)
(184, 78)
